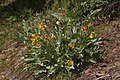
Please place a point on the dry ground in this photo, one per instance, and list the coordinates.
(11, 66)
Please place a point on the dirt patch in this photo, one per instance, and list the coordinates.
(11, 66)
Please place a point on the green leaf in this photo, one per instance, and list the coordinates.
(96, 11)
(73, 41)
(91, 60)
(51, 70)
(74, 30)
(40, 71)
(81, 48)
(92, 41)
(28, 59)
(20, 35)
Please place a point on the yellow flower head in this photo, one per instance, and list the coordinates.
(37, 38)
(33, 35)
(42, 26)
(72, 45)
(38, 43)
(69, 62)
(84, 29)
(91, 36)
(33, 41)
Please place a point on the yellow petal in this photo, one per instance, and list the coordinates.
(84, 29)
(33, 35)
(33, 41)
(42, 26)
(38, 43)
(91, 36)
(69, 62)
(37, 38)
(72, 45)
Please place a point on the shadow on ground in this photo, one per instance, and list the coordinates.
(20, 8)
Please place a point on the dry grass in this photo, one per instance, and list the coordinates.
(8, 32)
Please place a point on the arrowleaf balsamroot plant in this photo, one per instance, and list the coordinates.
(63, 41)
(58, 46)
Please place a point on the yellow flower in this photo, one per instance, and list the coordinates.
(91, 35)
(42, 26)
(38, 43)
(72, 45)
(83, 29)
(33, 35)
(37, 38)
(69, 62)
(33, 41)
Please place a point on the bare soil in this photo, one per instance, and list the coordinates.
(11, 65)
